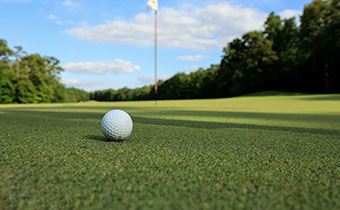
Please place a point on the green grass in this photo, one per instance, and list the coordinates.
(256, 152)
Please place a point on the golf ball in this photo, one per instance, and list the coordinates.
(116, 125)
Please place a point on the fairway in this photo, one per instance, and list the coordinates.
(254, 152)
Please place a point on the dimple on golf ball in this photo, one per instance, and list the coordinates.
(116, 125)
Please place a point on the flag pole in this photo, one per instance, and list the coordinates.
(154, 5)
(156, 85)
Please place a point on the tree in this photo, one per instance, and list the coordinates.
(42, 72)
(320, 45)
(77, 95)
(7, 90)
(247, 65)
(5, 52)
(177, 87)
(18, 55)
(25, 92)
(331, 50)
(284, 37)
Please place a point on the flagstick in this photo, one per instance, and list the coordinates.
(156, 87)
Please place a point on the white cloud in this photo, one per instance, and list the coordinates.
(55, 19)
(191, 57)
(82, 84)
(71, 22)
(52, 17)
(147, 79)
(101, 68)
(290, 13)
(68, 3)
(76, 82)
(192, 28)
(190, 69)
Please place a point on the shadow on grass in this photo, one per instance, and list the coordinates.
(87, 118)
(82, 107)
(101, 138)
(326, 118)
(219, 125)
(324, 98)
(299, 117)
(273, 93)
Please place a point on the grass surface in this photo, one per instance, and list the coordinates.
(255, 152)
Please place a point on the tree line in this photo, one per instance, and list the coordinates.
(32, 78)
(285, 56)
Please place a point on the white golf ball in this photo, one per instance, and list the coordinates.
(116, 125)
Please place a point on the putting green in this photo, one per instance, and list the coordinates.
(254, 152)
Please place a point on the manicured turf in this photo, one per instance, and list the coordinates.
(254, 152)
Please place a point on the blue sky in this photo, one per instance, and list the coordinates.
(109, 43)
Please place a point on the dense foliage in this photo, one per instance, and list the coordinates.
(32, 79)
(76, 95)
(284, 56)
(180, 86)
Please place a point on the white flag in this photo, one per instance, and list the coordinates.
(153, 4)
